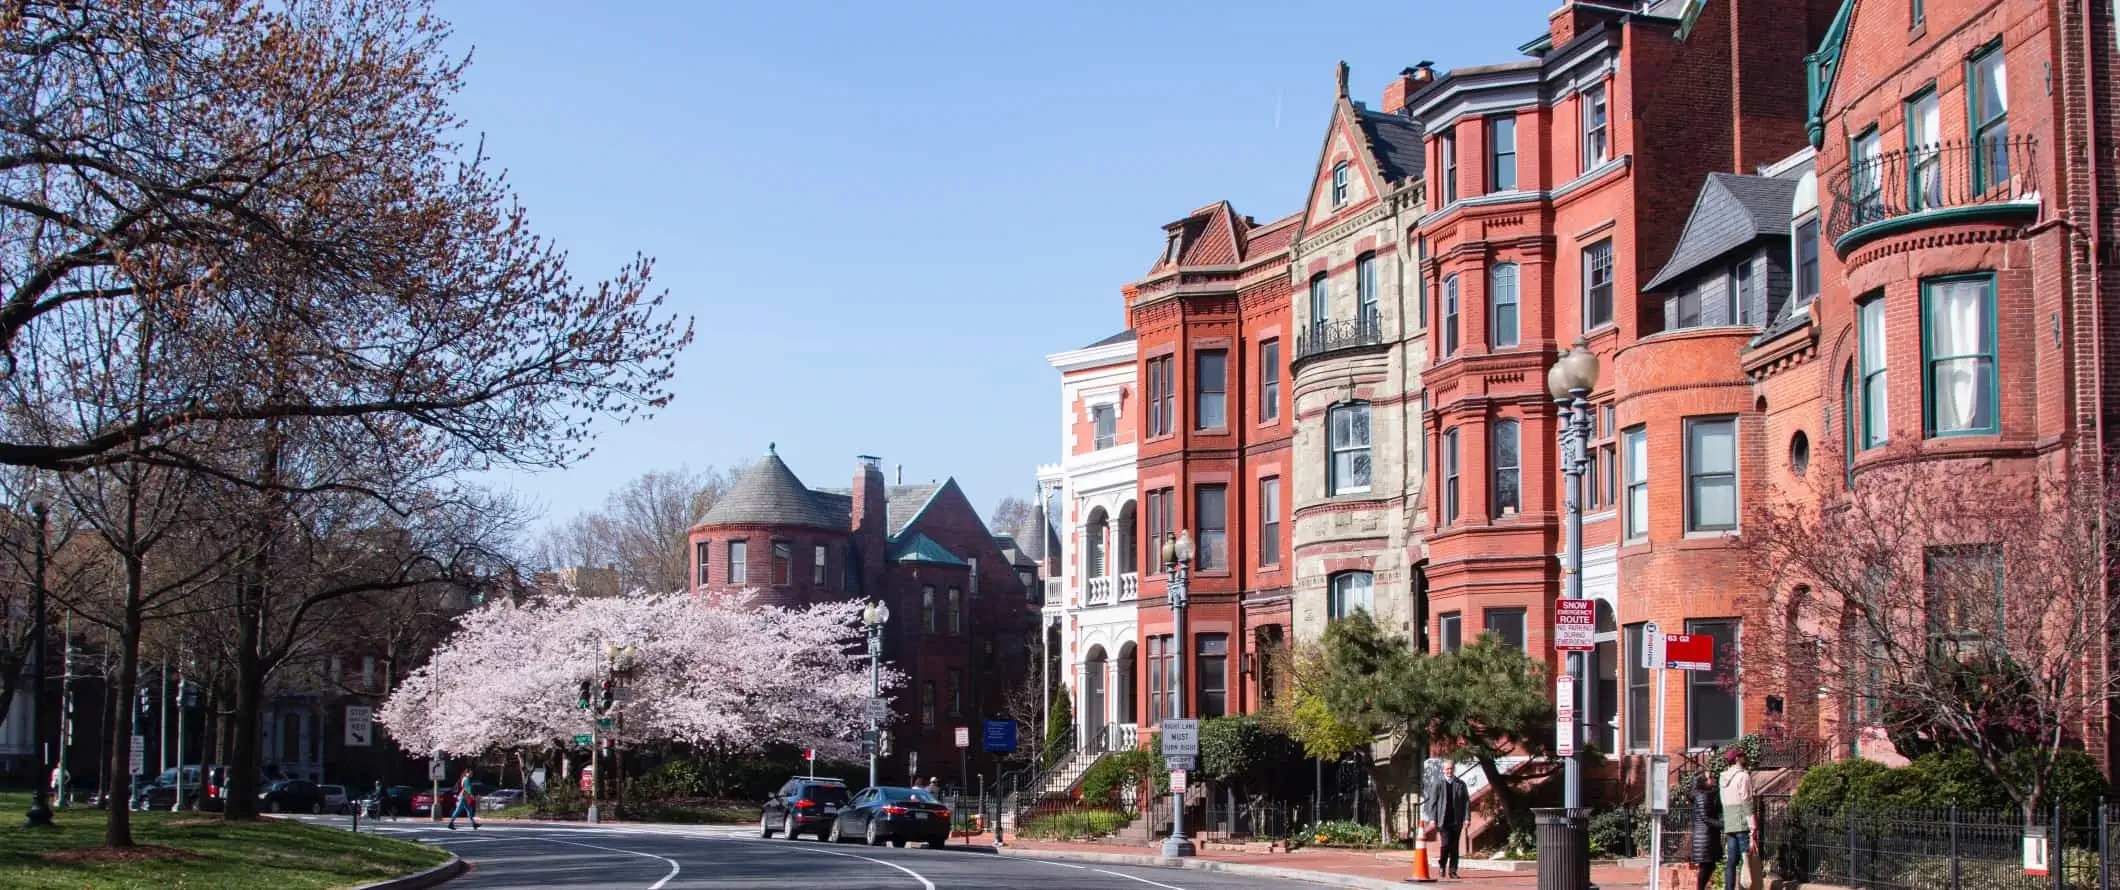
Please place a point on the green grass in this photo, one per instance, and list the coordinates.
(229, 856)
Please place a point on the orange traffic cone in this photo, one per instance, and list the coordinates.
(1421, 874)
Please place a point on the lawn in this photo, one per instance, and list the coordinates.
(192, 851)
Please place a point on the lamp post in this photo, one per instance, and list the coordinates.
(1177, 558)
(873, 617)
(1569, 382)
(40, 808)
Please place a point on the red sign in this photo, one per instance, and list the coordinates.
(1689, 652)
(1575, 625)
(588, 779)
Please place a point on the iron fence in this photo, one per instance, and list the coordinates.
(1952, 848)
(1885, 185)
(1365, 329)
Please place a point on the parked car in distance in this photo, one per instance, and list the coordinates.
(216, 798)
(803, 805)
(163, 792)
(335, 799)
(396, 800)
(892, 814)
(291, 796)
(500, 797)
(424, 802)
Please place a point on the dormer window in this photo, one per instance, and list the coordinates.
(1339, 183)
(1170, 251)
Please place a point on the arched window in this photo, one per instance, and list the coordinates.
(1093, 544)
(1502, 317)
(1507, 462)
(1125, 541)
(1339, 183)
(1348, 591)
(1123, 689)
(1347, 472)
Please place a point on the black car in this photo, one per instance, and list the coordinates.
(803, 805)
(291, 796)
(163, 793)
(897, 815)
(396, 800)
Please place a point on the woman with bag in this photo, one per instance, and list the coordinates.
(1707, 830)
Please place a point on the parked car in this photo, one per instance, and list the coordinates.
(396, 800)
(216, 798)
(892, 814)
(162, 793)
(500, 797)
(335, 799)
(291, 796)
(803, 805)
(424, 803)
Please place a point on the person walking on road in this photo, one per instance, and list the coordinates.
(465, 804)
(1740, 822)
(934, 787)
(1456, 809)
(1707, 830)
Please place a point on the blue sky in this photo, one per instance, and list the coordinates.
(885, 215)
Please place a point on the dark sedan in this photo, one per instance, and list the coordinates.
(897, 815)
(291, 796)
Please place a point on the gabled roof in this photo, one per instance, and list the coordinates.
(1215, 235)
(905, 503)
(770, 494)
(1395, 140)
(1731, 211)
(1125, 336)
(917, 547)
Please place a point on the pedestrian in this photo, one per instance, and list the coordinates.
(1740, 822)
(1707, 829)
(1456, 810)
(934, 787)
(376, 807)
(466, 805)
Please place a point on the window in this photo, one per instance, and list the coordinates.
(927, 703)
(1744, 291)
(1915, 13)
(1161, 679)
(927, 608)
(1339, 183)
(738, 573)
(817, 565)
(1450, 476)
(1507, 463)
(1866, 177)
(1211, 666)
(1447, 147)
(1451, 632)
(1420, 281)
(1991, 121)
(1104, 424)
(1958, 338)
(1597, 284)
(1806, 262)
(1870, 318)
(1711, 474)
(1508, 624)
(1847, 423)
(1170, 251)
(1269, 381)
(1610, 459)
(704, 551)
(1320, 310)
(1211, 385)
(1450, 315)
(956, 692)
(956, 603)
(783, 553)
(1365, 287)
(1270, 521)
(1925, 160)
(1160, 527)
(1095, 537)
(1501, 306)
(971, 572)
(1638, 700)
(1712, 696)
(1637, 445)
(1596, 146)
(1963, 585)
(337, 670)
(1211, 515)
(1162, 404)
(1348, 591)
(1349, 443)
(1501, 154)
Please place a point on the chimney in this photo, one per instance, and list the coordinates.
(869, 520)
(1409, 82)
(901, 474)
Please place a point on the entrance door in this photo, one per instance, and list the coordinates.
(1093, 700)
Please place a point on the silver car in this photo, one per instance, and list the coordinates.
(335, 799)
(500, 797)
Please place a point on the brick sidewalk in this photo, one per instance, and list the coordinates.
(1370, 868)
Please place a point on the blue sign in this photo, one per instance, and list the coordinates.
(1000, 736)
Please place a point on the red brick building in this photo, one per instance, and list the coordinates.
(961, 610)
(1211, 318)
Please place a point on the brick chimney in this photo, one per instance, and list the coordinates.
(870, 517)
(1409, 82)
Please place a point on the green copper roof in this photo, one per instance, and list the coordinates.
(916, 547)
(1821, 66)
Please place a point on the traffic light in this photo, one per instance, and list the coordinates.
(603, 702)
(583, 701)
(147, 701)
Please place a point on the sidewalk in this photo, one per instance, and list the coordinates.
(1345, 868)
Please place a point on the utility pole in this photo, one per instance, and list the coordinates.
(162, 747)
(66, 717)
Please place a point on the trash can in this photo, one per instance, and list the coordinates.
(1564, 849)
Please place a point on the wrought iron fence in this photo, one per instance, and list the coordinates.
(1929, 849)
(1366, 329)
(1892, 184)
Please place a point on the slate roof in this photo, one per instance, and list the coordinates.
(770, 494)
(1732, 211)
(1397, 140)
(1031, 537)
(903, 502)
(1125, 336)
(917, 547)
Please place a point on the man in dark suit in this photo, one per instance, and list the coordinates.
(1456, 805)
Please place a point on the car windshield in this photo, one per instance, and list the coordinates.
(827, 793)
(912, 794)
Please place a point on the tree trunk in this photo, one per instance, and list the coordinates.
(117, 829)
(245, 727)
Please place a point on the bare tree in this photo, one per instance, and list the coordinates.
(1963, 603)
(1011, 516)
(641, 528)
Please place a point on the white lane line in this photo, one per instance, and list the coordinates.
(924, 882)
(658, 885)
(1134, 878)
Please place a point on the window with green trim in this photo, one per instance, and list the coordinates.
(1989, 112)
(1924, 159)
(1876, 426)
(1958, 347)
(1866, 174)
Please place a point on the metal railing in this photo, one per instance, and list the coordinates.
(1942, 176)
(1366, 329)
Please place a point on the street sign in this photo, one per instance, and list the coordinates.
(1564, 715)
(583, 738)
(964, 736)
(1575, 625)
(1181, 738)
(912, 762)
(868, 742)
(1652, 654)
(603, 722)
(139, 754)
(1689, 652)
(1177, 764)
(360, 726)
(1177, 781)
(1000, 736)
(588, 779)
(1659, 783)
(437, 768)
(879, 710)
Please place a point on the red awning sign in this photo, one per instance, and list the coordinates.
(1689, 652)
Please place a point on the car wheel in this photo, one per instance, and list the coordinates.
(869, 834)
(316, 809)
(936, 843)
(765, 826)
(832, 835)
(788, 826)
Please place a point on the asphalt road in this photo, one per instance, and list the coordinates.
(523, 857)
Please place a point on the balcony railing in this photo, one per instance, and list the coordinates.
(1366, 329)
(1129, 587)
(1990, 172)
(1055, 591)
(1097, 591)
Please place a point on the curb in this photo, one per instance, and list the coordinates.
(1230, 868)
(440, 874)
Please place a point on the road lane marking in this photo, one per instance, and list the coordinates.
(924, 882)
(1134, 878)
(658, 885)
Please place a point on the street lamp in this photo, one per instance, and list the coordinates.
(1569, 382)
(1177, 558)
(40, 808)
(873, 617)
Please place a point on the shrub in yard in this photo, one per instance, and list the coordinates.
(1341, 833)
(1612, 831)
(1074, 824)
(1102, 782)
